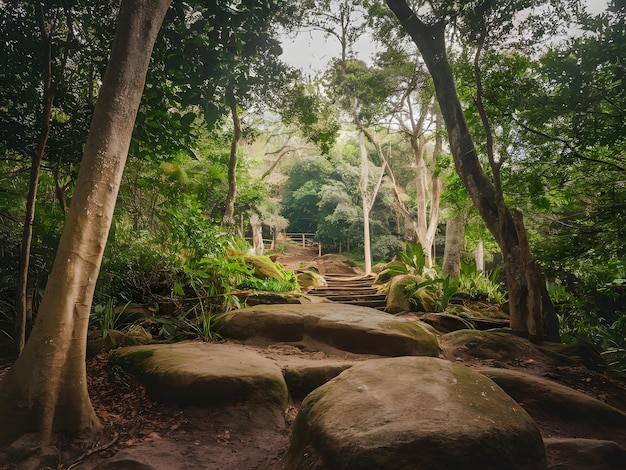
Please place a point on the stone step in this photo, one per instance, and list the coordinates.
(346, 296)
(351, 291)
(345, 288)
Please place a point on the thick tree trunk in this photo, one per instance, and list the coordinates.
(455, 242)
(46, 389)
(229, 212)
(523, 276)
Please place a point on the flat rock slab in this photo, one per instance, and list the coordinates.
(550, 402)
(360, 330)
(204, 374)
(413, 413)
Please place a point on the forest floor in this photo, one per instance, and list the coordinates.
(166, 436)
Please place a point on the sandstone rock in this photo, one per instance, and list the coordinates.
(548, 401)
(398, 300)
(310, 280)
(445, 322)
(204, 374)
(499, 346)
(584, 454)
(253, 298)
(305, 375)
(264, 267)
(413, 413)
(349, 328)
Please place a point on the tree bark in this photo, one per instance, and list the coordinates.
(455, 242)
(229, 212)
(46, 389)
(366, 204)
(479, 256)
(257, 234)
(523, 274)
(49, 91)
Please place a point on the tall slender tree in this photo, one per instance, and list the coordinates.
(46, 389)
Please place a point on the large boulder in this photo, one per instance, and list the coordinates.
(584, 454)
(205, 374)
(305, 375)
(445, 322)
(413, 413)
(355, 329)
(252, 298)
(310, 280)
(398, 300)
(264, 267)
(492, 345)
(550, 402)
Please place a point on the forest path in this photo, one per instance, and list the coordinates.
(351, 291)
(350, 287)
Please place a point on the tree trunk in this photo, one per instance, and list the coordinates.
(455, 242)
(479, 257)
(229, 212)
(46, 389)
(527, 302)
(257, 235)
(49, 91)
(366, 201)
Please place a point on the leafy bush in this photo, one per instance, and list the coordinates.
(384, 247)
(106, 317)
(477, 286)
(472, 283)
(578, 321)
(441, 290)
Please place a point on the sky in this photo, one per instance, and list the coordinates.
(310, 51)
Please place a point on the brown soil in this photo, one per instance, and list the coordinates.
(240, 437)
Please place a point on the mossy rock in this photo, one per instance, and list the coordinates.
(379, 267)
(410, 413)
(310, 280)
(382, 277)
(398, 300)
(264, 267)
(204, 374)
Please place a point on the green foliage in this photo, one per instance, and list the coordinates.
(384, 247)
(106, 317)
(410, 260)
(441, 290)
(313, 114)
(580, 321)
(471, 283)
(478, 286)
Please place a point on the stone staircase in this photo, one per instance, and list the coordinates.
(351, 291)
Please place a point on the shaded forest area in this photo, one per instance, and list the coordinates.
(231, 146)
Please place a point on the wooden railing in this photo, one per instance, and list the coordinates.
(304, 239)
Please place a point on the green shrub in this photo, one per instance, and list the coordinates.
(477, 286)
